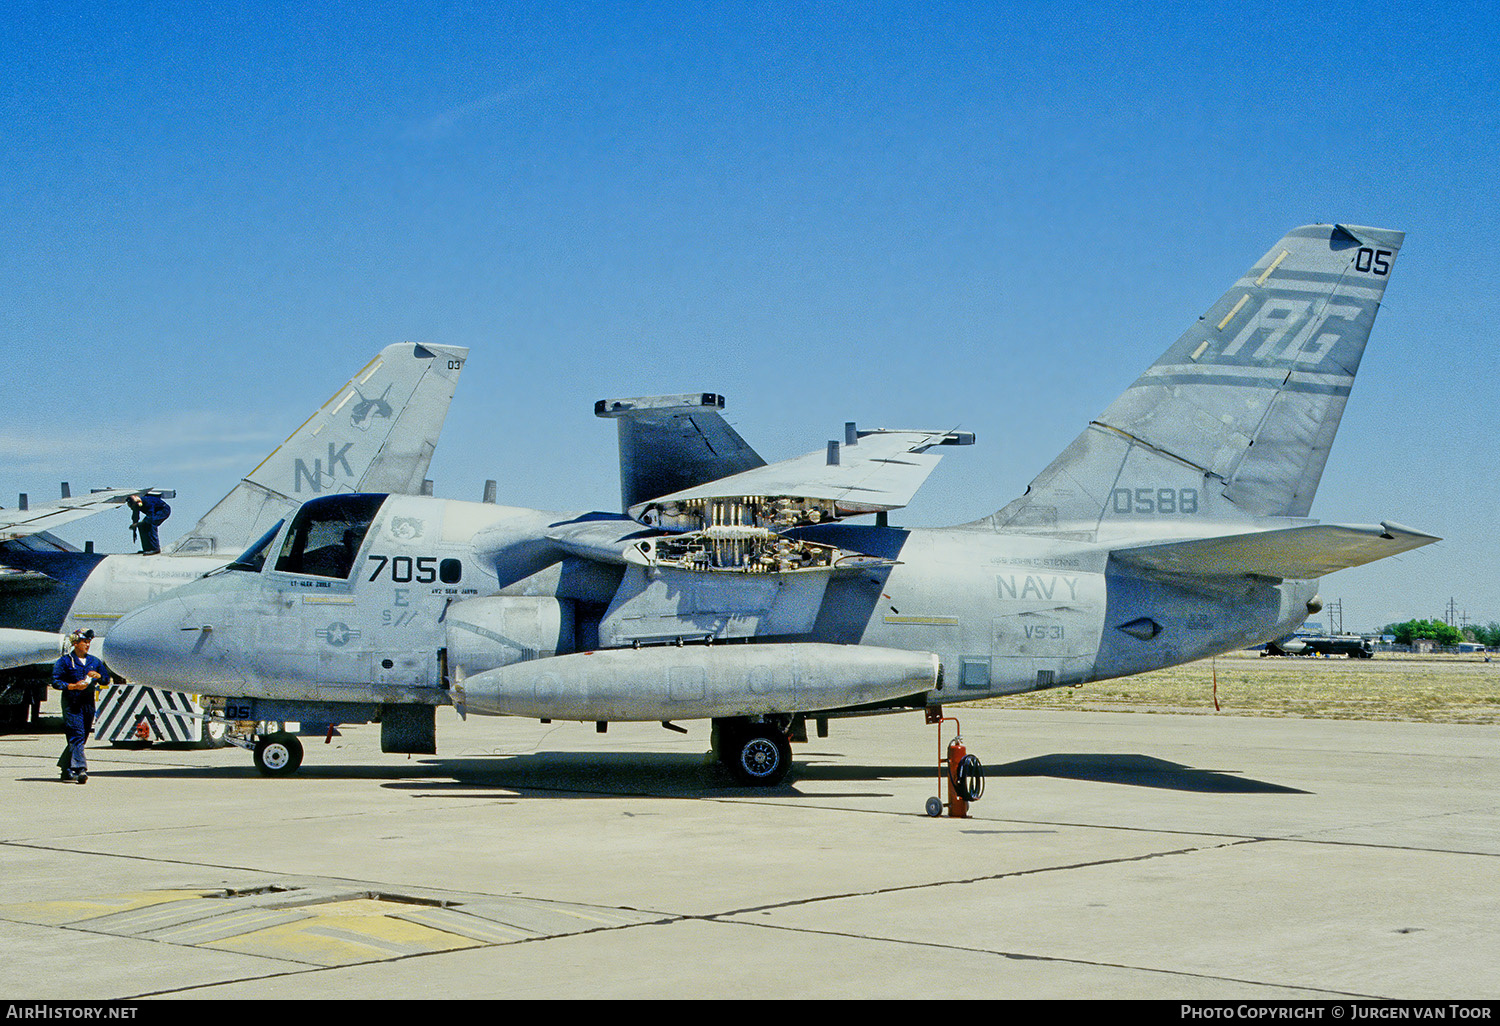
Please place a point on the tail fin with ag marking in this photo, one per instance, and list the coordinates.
(1237, 418)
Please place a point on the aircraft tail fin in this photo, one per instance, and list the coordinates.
(1238, 416)
(672, 442)
(376, 434)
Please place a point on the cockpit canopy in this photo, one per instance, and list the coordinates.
(326, 534)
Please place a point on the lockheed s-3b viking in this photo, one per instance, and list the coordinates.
(1173, 528)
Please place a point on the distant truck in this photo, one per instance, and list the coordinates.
(1351, 645)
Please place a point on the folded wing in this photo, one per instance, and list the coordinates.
(19, 523)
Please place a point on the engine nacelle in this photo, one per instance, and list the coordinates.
(698, 681)
(485, 633)
(23, 648)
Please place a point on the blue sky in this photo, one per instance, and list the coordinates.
(908, 215)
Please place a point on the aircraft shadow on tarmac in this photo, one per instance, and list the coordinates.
(1138, 771)
(591, 774)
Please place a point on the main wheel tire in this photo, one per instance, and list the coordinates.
(760, 756)
(277, 755)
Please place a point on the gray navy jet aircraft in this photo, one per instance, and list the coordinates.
(48, 588)
(1173, 528)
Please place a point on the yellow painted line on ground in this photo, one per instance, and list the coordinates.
(215, 928)
(344, 939)
(452, 921)
(77, 910)
(332, 932)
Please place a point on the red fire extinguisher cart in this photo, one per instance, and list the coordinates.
(963, 772)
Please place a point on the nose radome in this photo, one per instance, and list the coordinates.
(149, 646)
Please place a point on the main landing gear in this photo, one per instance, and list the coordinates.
(756, 754)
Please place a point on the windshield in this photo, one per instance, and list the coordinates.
(326, 534)
(253, 558)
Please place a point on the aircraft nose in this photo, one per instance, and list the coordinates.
(160, 644)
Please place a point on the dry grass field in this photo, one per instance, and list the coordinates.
(1433, 689)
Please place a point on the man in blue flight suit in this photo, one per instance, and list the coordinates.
(147, 512)
(76, 675)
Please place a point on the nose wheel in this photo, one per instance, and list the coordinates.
(278, 755)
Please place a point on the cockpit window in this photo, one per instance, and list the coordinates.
(253, 558)
(326, 535)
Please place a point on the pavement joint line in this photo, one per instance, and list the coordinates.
(131, 858)
(1297, 838)
(1302, 838)
(1025, 957)
(977, 879)
(1479, 810)
(220, 983)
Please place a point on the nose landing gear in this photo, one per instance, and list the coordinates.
(278, 754)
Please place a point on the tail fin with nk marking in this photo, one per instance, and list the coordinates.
(376, 434)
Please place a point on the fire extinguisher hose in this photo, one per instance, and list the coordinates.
(969, 779)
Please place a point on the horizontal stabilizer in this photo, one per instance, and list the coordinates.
(880, 470)
(1296, 553)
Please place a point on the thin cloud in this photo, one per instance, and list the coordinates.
(449, 121)
(192, 436)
